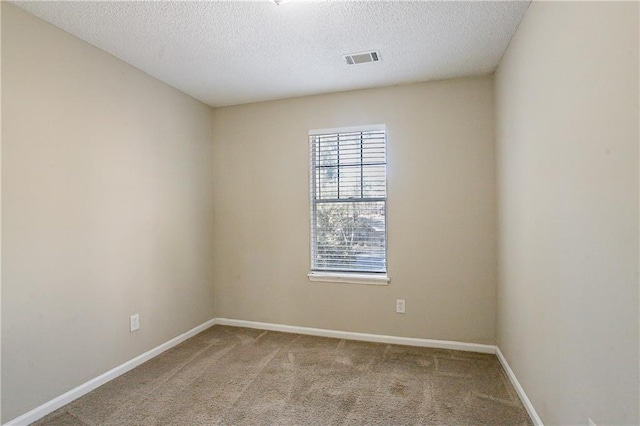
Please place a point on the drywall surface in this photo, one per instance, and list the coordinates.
(107, 208)
(567, 137)
(441, 212)
(235, 52)
(0, 218)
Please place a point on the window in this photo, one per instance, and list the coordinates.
(349, 205)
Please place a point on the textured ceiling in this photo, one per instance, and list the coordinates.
(233, 52)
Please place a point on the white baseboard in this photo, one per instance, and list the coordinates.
(408, 341)
(516, 384)
(64, 399)
(349, 335)
(75, 393)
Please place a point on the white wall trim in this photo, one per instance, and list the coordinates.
(75, 393)
(333, 277)
(349, 335)
(350, 129)
(521, 393)
(395, 340)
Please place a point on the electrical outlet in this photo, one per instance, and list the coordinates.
(400, 306)
(592, 423)
(134, 322)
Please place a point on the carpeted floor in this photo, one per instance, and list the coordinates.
(239, 376)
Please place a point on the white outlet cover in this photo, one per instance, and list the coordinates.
(400, 306)
(134, 322)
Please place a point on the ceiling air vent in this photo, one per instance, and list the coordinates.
(362, 57)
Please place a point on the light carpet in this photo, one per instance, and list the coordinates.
(240, 376)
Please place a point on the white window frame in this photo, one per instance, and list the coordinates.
(345, 277)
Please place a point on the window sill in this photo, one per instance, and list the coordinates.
(337, 277)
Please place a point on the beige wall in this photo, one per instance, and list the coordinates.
(109, 179)
(0, 217)
(441, 212)
(107, 208)
(567, 137)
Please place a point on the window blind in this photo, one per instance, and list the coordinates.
(348, 201)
